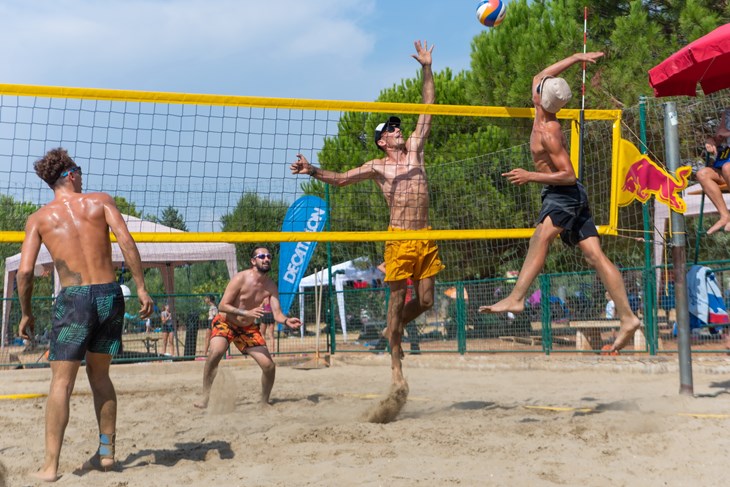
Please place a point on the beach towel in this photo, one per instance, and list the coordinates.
(706, 306)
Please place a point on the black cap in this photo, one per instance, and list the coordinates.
(391, 122)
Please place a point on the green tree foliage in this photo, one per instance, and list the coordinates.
(126, 207)
(13, 215)
(505, 60)
(254, 214)
(172, 218)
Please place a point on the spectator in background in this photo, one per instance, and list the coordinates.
(610, 307)
(148, 325)
(712, 177)
(167, 330)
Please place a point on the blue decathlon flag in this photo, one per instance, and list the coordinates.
(307, 214)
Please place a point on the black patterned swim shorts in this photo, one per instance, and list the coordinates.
(87, 318)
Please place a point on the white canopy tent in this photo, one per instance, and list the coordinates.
(352, 270)
(163, 255)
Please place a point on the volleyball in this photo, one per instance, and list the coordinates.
(491, 12)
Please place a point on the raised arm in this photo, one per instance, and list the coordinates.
(354, 175)
(428, 92)
(130, 252)
(722, 130)
(28, 255)
(557, 68)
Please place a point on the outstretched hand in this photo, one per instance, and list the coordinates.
(590, 57)
(301, 165)
(423, 53)
(293, 323)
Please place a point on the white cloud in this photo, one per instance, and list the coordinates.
(231, 46)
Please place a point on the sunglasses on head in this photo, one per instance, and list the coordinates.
(263, 256)
(69, 171)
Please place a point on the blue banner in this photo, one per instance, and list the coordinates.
(307, 214)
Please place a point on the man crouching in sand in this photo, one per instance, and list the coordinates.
(240, 307)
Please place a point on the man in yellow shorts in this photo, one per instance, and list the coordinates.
(401, 176)
(239, 308)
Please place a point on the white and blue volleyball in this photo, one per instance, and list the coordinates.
(491, 12)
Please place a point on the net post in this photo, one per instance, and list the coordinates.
(679, 256)
(649, 276)
(460, 318)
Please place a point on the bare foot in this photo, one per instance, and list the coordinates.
(201, 404)
(96, 463)
(626, 333)
(46, 475)
(505, 306)
(721, 224)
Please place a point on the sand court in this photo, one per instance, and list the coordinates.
(475, 420)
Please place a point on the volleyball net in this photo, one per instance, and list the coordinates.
(217, 168)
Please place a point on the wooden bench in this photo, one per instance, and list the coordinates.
(150, 343)
(723, 188)
(588, 333)
(531, 340)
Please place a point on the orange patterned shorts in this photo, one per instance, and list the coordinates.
(242, 338)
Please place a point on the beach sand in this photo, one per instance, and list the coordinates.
(474, 420)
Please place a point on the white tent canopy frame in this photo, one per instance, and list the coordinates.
(163, 255)
(341, 273)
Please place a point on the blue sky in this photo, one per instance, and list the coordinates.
(313, 49)
(317, 49)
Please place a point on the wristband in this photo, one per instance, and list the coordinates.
(311, 174)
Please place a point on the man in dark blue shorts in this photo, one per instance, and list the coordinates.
(565, 209)
(89, 311)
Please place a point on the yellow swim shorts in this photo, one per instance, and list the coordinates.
(417, 259)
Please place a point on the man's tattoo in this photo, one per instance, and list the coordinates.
(65, 274)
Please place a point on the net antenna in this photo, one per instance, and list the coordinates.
(583, 96)
(317, 362)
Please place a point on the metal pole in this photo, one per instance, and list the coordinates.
(582, 121)
(330, 294)
(679, 255)
(649, 274)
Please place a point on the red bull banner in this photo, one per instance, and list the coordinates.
(641, 178)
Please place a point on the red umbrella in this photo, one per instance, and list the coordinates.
(705, 61)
